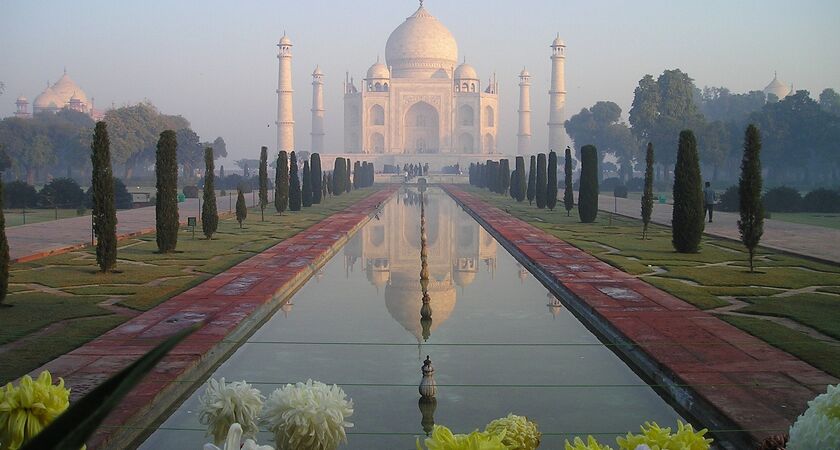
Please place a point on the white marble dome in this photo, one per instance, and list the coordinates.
(777, 88)
(421, 47)
(65, 89)
(48, 100)
(466, 72)
(378, 71)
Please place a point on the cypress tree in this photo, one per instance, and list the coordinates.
(263, 181)
(751, 224)
(588, 195)
(568, 185)
(307, 185)
(521, 182)
(166, 207)
(338, 177)
(504, 176)
(357, 175)
(4, 252)
(241, 209)
(315, 169)
(551, 188)
(348, 185)
(222, 173)
(104, 209)
(209, 215)
(325, 186)
(542, 183)
(294, 184)
(647, 196)
(687, 220)
(281, 183)
(513, 183)
(532, 180)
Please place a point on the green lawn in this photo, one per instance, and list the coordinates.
(826, 220)
(15, 217)
(60, 297)
(706, 279)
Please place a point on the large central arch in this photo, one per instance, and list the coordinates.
(422, 129)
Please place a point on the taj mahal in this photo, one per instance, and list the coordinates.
(421, 102)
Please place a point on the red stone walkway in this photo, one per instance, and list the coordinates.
(232, 304)
(726, 378)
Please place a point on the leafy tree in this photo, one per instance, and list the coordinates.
(209, 214)
(751, 224)
(532, 179)
(521, 182)
(568, 185)
(263, 181)
(61, 193)
(338, 176)
(504, 176)
(542, 182)
(190, 151)
(588, 195)
(18, 194)
(687, 221)
(551, 189)
(830, 101)
(122, 198)
(601, 126)
(647, 196)
(715, 146)
(166, 207)
(822, 201)
(241, 208)
(104, 209)
(719, 104)
(294, 184)
(317, 182)
(281, 183)
(307, 185)
(4, 251)
(782, 199)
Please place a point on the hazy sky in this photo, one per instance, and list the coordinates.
(215, 63)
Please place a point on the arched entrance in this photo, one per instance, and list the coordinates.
(422, 133)
(377, 143)
(465, 143)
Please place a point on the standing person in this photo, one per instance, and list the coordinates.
(709, 200)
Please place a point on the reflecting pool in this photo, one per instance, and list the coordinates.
(499, 341)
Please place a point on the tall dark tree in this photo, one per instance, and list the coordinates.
(588, 195)
(348, 184)
(294, 184)
(281, 183)
(521, 182)
(306, 194)
(4, 252)
(317, 187)
(209, 214)
(647, 196)
(357, 175)
(513, 184)
(551, 188)
(751, 224)
(104, 208)
(325, 186)
(166, 207)
(568, 184)
(241, 208)
(504, 176)
(263, 181)
(542, 181)
(338, 176)
(532, 180)
(222, 173)
(687, 221)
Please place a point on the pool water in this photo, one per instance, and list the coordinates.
(499, 341)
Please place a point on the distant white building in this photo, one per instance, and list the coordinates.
(65, 93)
(777, 88)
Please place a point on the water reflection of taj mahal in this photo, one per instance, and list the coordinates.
(388, 251)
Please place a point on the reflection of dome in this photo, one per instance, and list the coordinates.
(777, 88)
(466, 72)
(404, 297)
(421, 46)
(464, 278)
(378, 277)
(378, 70)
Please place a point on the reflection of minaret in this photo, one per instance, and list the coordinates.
(317, 111)
(523, 143)
(523, 273)
(285, 114)
(554, 304)
(557, 95)
(287, 308)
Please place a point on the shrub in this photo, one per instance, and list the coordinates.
(61, 193)
(636, 185)
(782, 199)
(18, 194)
(190, 191)
(609, 184)
(687, 219)
(620, 191)
(822, 201)
(729, 201)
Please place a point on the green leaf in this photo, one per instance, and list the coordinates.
(72, 428)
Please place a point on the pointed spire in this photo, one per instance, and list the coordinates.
(421, 3)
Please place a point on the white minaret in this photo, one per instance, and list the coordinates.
(317, 111)
(557, 94)
(285, 114)
(523, 143)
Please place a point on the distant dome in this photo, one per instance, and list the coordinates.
(285, 40)
(21, 99)
(524, 73)
(378, 70)
(558, 42)
(466, 72)
(777, 88)
(65, 89)
(48, 99)
(421, 47)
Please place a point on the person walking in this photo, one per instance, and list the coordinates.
(709, 200)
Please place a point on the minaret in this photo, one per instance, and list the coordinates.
(556, 113)
(317, 111)
(523, 144)
(285, 115)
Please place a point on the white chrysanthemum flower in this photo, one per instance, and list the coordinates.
(819, 426)
(308, 416)
(234, 441)
(223, 405)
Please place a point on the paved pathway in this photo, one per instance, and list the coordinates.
(231, 305)
(808, 240)
(739, 381)
(37, 240)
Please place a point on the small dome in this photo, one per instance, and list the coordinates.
(466, 72)
(48, 99)
(378, 70)
(558, 42)
(421, 47)
(317, 71)
(777, 88)
(285, 40)
(21, 99)
(524, 73)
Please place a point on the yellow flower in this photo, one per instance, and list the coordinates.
(591, 444)
(658, 438)
(25, 410)
(520, 433)
(442, 438)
